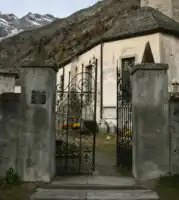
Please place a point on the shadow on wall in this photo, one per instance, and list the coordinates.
(9, 126)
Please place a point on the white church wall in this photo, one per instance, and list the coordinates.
(17, 89)
(113, 51)
(59, 74)
(169, 50)
(76, 67)
(85, 59)
(78, 62)
(66, 71)
(117, 50)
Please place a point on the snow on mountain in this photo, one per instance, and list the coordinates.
(34, 20)
(11, 24)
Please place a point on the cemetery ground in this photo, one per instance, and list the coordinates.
(17, 191)
(167, 187)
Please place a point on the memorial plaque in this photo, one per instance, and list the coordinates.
(38, 97)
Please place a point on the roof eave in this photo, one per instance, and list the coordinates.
(121, 37)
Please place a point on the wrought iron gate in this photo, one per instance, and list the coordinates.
(76, 122)
(124, 114)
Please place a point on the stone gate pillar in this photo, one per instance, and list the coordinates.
(37, 140)
(150, 122)
(174, 132)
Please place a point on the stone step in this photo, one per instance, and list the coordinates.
(91, 187)
(93, 183)
(62, 194)
(94, 180)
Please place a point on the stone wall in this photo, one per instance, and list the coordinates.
(175, 7)
(167, 7)
(27, 136)
(7, 81)
(169, 54)
(174, 133)
(9, 126)
(37, 141)
(150, 121)
(27, 124)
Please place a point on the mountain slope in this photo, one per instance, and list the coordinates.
(65, 37)
(11, 24)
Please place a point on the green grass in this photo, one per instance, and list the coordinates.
(108, 146)
(105, 145)
(168, 187)
(22, 191)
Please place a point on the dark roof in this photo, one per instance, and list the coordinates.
(143, 21)
(10, 71)
(37, 62)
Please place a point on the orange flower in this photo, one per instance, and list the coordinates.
(76, 125)
(72, 124)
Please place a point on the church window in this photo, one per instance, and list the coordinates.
(88, 73)
(127, 64)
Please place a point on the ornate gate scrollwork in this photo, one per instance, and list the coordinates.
(76, 104)
(124, 114)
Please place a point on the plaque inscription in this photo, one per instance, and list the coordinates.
(38, 97)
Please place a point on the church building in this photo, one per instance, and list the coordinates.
(148, 34)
